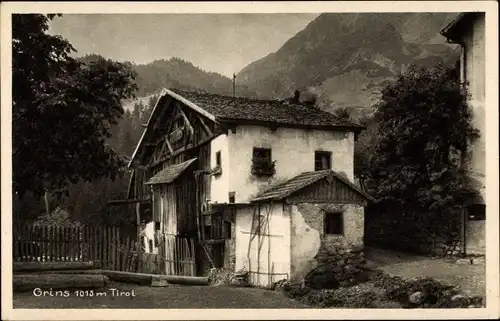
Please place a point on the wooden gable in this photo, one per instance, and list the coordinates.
(328, 190)
(175, 133)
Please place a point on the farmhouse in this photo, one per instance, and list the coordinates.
(246, 184)
(468, 30)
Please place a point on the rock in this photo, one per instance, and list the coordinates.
(478, 260)
(457, 297)
(417, 297)
(463, 261)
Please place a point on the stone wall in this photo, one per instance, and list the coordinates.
(308, 238)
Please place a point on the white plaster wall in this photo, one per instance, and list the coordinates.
(273, 254)
(475, 75)
(292, 149)
(305, 244)
(219, 186)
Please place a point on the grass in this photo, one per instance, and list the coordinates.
(171, 297)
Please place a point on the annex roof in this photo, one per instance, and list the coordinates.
(170, 174)
(286, 189)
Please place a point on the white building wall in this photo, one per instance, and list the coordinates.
(219, 186)
(268, 254)
(292, 149)
(474, 74)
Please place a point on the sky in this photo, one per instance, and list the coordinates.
(223, 43)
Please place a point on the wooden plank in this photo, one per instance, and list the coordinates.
(50, 266)
(64, 245)
(49, 244)
(72, 244)
(131, 201)
(27, 282)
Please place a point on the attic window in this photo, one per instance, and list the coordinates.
(262, 163)
(322, 160)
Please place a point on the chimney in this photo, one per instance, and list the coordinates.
(296, 96)
(309, 99)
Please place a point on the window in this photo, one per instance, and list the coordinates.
(150, 243)
(334, 224)
(217, 170)
(157, 226)
(477, 212)
(322, 160)
(262, 163)
(217, 159)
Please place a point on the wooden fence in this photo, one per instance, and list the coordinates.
(179, 255)
(106, 247)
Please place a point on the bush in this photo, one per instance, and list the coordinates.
(295, 290)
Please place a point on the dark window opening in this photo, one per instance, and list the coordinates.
(232, 197)
(150, 246)
(157, 226)
(227, 230)
(218, 163)
(322, 160)
(334, 224)
(477, 212)
(218, 159)
(262, 163)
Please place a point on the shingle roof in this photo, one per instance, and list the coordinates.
(169, 174)
(272, 111)
(301, 181)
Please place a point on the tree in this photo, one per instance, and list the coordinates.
(63, 109)
(424, 123)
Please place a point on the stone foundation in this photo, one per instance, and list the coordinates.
(337, 267)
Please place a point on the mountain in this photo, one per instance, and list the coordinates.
(346, 58)
(181, 74)
(176, 73)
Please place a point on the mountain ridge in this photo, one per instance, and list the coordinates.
(346, 58)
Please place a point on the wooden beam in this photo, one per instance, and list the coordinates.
(182, 149)
(131, 181)
(205, 127)
(167, 142)
(191, 105)
(131, 201)
(28, 282)
(50, 266)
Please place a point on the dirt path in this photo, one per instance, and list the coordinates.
(470, 277)
(174, 297)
